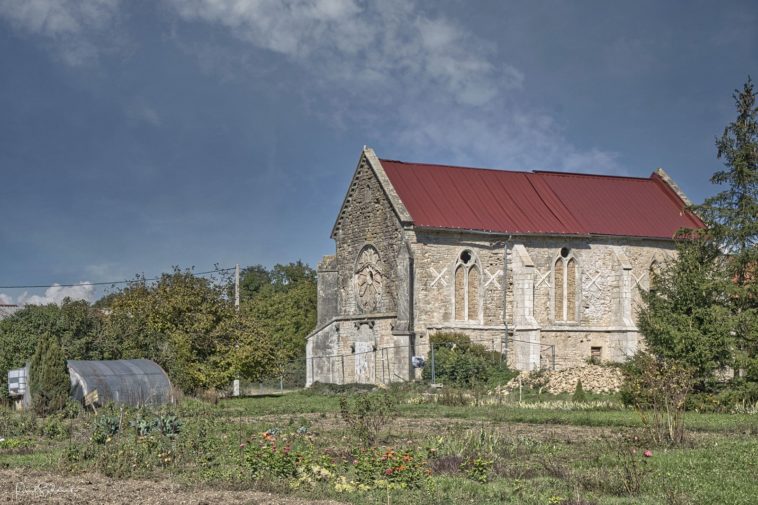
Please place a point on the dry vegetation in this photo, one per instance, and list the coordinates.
(312, 446)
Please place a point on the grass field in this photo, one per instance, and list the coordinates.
(402, 448)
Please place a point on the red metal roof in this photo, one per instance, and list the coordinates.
(439, 196)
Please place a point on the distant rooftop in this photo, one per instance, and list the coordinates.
(7, 310)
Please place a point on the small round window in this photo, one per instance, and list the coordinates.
(564, 252)
(465, 257)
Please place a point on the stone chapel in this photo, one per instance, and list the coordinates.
(544, 267)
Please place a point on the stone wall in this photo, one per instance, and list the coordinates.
(608, 274)
(367, 219)
(353, 343)
(350, 350)
(328, 290)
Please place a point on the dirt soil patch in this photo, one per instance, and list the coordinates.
(24, 486)
(413, 427)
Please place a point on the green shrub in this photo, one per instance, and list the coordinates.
(54, 427)
(105, 427)
(16, 445)
(15, 424)
(367, 414)
(658, 389)
(459, 362)
(72, 409)
(478, 469)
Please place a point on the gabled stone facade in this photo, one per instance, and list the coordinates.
(560, 299)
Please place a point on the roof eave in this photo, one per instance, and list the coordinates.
(538, 234)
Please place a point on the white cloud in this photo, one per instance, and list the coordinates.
(56, 294)
(70, 26)
(421, 81)
(347, 42)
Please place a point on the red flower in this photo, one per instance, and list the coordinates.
(388, 471)
(648, 454)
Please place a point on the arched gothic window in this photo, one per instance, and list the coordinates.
(467, 285)
(565, 271)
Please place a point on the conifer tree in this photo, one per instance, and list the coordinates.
(579, 394)
(703, 311)
(732, 218)
(49, 382)
(732, 214)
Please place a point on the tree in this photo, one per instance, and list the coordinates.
(174, 322)
(75, 324)
(283, 301)
(732, 214)
(685, 317)
(732, 218)
(286, 316)
(49, 383)
(252, 353)
(253, 280)
(579, 394)
(286, 277)
(257, 279)
(190, 327)
(703, 311)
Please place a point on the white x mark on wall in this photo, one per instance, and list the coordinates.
(593, 282)
(638, 280)
(438, 277)
(493, 278)
(542, 278)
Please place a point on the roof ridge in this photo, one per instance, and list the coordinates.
(585, 174)
(549, 172)
(455, 166)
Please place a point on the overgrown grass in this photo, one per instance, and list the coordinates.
(507, 453)
(507, 412)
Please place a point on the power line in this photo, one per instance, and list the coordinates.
(110, 283)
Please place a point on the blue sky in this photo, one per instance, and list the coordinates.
(137, 135)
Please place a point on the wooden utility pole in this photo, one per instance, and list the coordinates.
(237, 287)
(236, 382)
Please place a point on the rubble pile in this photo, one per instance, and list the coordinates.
(595, 378)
